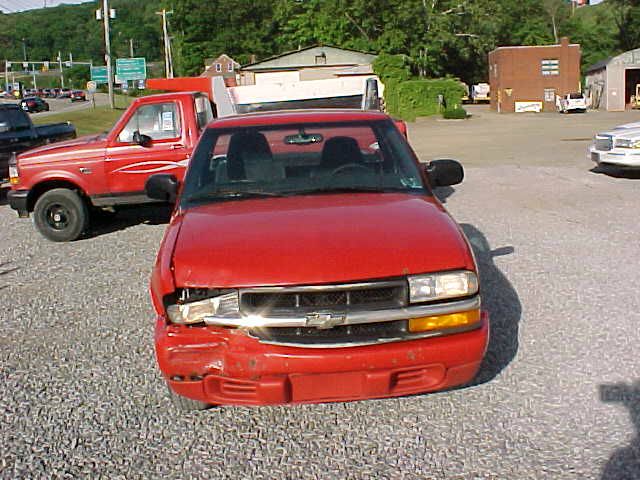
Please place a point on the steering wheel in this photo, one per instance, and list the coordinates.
(349, 166)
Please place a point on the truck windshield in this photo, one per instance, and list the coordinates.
(14, 119)
(305, 159)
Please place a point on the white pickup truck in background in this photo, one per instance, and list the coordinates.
(480, 92)
(571, 102)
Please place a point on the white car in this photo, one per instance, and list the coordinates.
(619, 147)
(571, 102)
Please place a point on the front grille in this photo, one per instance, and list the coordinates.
(343, 334)
(604, 143)
(325, 299)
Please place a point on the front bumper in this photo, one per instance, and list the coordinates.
(19, 201)
(622, 157)
(225, 366)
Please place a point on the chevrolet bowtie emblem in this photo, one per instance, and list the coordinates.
(323, 321)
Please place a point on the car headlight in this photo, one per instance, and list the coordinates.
(226, 305)
(440, 286)
(625, 143)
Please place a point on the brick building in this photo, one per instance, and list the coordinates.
(528, 78)
(223, 66)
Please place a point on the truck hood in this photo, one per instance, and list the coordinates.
(78, 147)
(316, 239)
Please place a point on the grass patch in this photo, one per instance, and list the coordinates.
(88, 120)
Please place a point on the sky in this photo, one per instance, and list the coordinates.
(10, 6)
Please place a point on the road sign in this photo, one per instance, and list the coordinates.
(99, 74)
(92, 86)
(131, 69)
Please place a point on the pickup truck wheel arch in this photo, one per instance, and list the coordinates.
(41, 188)
(61, 215)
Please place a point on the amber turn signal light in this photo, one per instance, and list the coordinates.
(437, 322)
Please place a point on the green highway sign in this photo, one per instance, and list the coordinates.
(99, 75)
(131, 69)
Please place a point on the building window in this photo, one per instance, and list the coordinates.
(218, 67)
(550, 67)
(230, 66)
(321, 59)
(549, 95)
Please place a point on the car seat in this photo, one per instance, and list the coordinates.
(339, 151)
(249, 158)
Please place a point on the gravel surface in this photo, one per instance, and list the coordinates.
(558, 397)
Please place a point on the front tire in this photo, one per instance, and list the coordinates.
(61, 215)
(186, 404)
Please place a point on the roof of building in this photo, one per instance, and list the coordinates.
(599, 65)
(335, 56)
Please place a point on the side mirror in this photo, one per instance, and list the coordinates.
(4, 127)
(444, 172)
(162, 186)
(141, 139)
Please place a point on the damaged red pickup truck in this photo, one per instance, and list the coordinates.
(307, 260)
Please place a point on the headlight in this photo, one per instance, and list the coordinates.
(226, 305)
(440, 286)
(625, 143)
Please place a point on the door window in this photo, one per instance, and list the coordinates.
(159, 121)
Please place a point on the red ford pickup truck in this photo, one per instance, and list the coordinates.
(307, 260)
(61, 184)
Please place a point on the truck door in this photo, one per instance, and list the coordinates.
(128, 165)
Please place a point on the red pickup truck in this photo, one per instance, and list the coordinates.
(61, 184)
(307, 260)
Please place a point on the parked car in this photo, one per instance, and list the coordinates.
(34, 105)
(64, 93)
(78, 96)
(571, 102)
(307, 260)
(619, 147)
(18, 133)
(156, 134)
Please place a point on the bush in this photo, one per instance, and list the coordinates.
(391, 68)
(455, 113)
(421, 98)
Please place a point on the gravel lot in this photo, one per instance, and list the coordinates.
(558, 246)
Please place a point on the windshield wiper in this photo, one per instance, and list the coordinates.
(231, 194)
(354, 189)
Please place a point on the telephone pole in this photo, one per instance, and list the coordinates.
(131, 48)
(168, 61)
(60, 65)
(106, 13)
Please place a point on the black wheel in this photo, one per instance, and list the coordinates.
(186, 404)
(61, 215)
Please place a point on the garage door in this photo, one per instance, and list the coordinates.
(277, 77)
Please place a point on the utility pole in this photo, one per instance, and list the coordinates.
(168, 61)
(106, 13)
(131, 48)
(6, 75)
(60, 65)
(24, 49)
